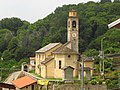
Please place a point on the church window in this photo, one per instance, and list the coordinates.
(74, 24)
(69, 56)
(68, 23)
(59, 64)
(54, 64)
(73, 13)
(80, 65)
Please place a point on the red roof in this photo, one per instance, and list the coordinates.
(24, 81)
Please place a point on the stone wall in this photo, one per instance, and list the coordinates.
(71, 86)
(67, 87)
(75, 87)
(95, 87)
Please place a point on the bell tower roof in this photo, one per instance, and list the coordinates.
(73, 13)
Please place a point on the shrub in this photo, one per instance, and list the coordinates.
(100, 82)
(93, 82)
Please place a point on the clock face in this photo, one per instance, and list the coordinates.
(74, 35)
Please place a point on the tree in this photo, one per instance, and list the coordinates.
(117, 1)
(7, 55)
(111, 43)
(22, 39)
(104, 1)
(91, 52)
(13, 44)
(13, 24)
(94, 28)
(5, 37)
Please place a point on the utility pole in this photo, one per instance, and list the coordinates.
(102, 71)
(1, 69)
(82, 74)
(119, 79)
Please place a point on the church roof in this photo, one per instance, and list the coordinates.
(66, 67)
(47, 47)
(64, 50)
(47, 60)
(114, 23)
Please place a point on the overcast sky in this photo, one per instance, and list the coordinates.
(32, 10)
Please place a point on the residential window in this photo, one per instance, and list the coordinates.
(74, 13)
(59, 64)
(32, 87)
(26, 87)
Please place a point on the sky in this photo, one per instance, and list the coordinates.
(32, 10)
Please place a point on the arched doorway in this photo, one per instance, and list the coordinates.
(25, 68)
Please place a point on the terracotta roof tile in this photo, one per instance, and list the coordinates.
(24, 81)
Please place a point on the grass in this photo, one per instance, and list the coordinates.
(54, 79)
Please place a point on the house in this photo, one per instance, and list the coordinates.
(32, 63)
(17, 75)
(88, 68)
(52, 59)
(89, 63)
(5, 86)
(25, 83)
(115, 24)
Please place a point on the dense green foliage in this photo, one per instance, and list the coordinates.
(10, 66)
(104, 1)
(20, 39)
(111, 43)
(117, 1)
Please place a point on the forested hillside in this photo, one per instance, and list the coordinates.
(111, 43)
(20, 39)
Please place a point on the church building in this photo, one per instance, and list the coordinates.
(55, 58)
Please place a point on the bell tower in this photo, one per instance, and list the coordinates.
(73, 30)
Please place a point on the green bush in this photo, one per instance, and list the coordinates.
(93, 82)
(100, 82)
(108, 81)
